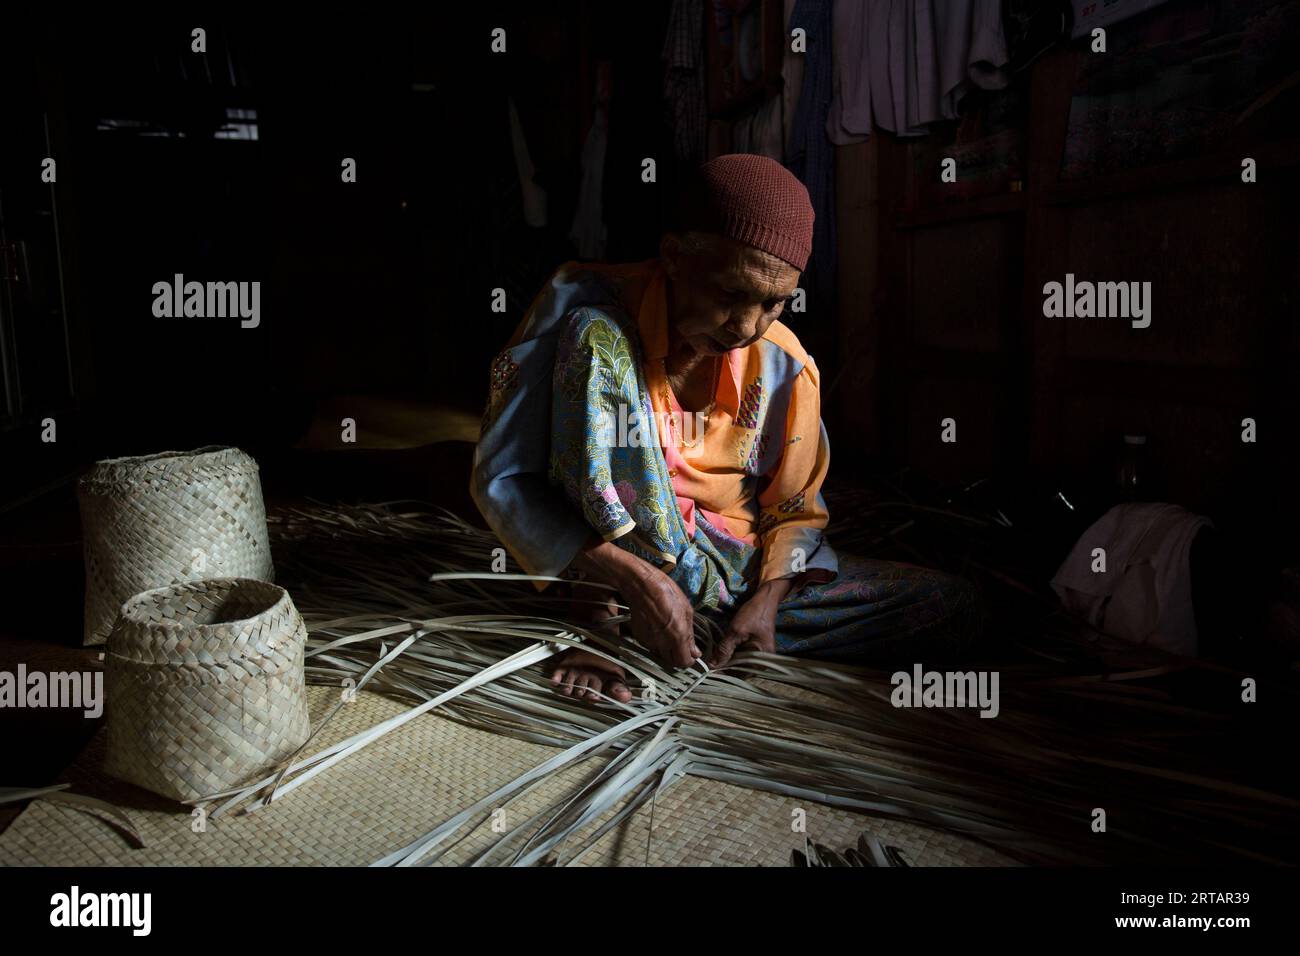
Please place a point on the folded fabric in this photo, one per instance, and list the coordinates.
(1144, 593)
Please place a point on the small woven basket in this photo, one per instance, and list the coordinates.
(164, 519)
(205, 686)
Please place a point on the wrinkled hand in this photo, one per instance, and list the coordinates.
(662, 618)
(753, 626)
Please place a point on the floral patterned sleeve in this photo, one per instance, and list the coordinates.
(593, 365)
(792, 514)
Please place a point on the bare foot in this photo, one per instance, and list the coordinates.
(581, 674)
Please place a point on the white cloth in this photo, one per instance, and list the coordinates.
(1145, 593)
(900, 64)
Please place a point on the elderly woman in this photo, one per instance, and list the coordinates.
(656, 427)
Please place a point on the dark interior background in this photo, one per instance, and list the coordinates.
(382, 287)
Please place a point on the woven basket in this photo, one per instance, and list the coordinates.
(168, 518)
(205, 687)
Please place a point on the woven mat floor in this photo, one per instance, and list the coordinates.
(397, 789)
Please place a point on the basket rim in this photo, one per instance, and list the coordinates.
(110, 470)
(169, 624)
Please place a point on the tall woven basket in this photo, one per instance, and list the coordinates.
(205, 686)
(165, 519)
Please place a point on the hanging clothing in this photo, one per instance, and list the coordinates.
(684, 79)
(589, 233)
(534, 196)
(761, 132)
(725, 13)
(901, 64)
(1145, 593)
(809, 153)
(791, 79)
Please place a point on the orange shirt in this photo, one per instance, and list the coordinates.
(755, 473)
(722, 466)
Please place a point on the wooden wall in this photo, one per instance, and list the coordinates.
(941, 316)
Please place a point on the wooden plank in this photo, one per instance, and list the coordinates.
(1007, 204)
(855, 389)
(1278, 157)
(1144, 381)
(1046, 241)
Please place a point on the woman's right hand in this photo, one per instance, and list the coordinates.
(662, 619)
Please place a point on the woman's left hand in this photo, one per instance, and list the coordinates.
(753, 627)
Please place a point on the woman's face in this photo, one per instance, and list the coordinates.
(723, 293)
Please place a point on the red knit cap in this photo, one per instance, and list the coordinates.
(754, 200)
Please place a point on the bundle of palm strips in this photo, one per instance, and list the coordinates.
(401, 599)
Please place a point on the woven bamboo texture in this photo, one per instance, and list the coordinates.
(205, 685)
(412, 779)
(168, 518)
